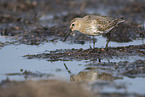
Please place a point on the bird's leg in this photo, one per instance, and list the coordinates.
(99, 53)
(108, 40)
(107, 43)
(94, 42)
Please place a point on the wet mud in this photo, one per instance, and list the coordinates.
(1, 44)
(28, 74)
(35, 22)
(24, 21)
(90, 54)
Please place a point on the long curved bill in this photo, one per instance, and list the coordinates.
(67, 36)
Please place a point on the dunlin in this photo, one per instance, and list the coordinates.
(94, 25)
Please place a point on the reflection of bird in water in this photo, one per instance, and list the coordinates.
(84, 76)
(93, 25)
(90, 75)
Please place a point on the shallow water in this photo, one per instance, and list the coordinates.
(13, 64)
(133, 85)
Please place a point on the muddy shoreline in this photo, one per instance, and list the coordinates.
(35, 23)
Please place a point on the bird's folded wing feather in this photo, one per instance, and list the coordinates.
(105, 23)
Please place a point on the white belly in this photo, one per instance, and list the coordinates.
(92, 31)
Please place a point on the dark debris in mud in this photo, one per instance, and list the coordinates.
(120, 95)
(29, 74)
(135, 69)
(109, 71)
(1, 44)
(90, 54)
(125, 32)
(123, 68)
(21, 19)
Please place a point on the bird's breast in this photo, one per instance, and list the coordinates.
(90, 30)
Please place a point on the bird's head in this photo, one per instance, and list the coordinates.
(75, 24)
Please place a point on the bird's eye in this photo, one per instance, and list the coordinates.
(73, 24)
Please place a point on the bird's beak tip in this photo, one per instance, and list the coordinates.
(67, 35)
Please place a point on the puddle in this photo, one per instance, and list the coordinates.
(132, 86)
(15, 62)
(34, 29)
(12, 62)
(11, 56)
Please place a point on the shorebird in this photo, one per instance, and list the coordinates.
(94, 25)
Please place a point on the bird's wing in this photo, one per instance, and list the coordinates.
(105, 23)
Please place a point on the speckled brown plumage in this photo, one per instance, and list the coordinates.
(94, 25)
